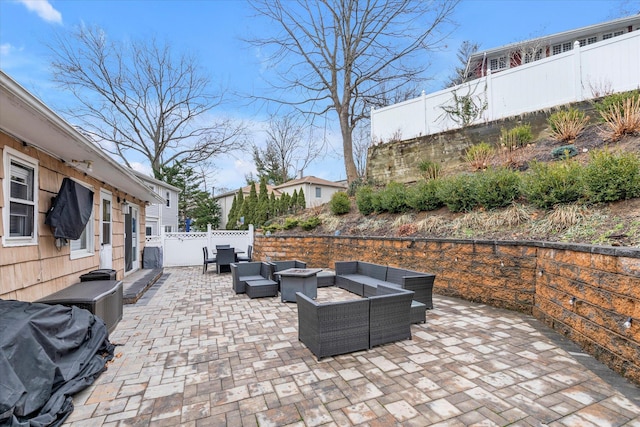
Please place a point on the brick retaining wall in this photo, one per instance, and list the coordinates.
(537, 278)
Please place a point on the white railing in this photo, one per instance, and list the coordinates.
(185, 249)
(609, 66)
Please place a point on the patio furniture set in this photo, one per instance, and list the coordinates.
(392, 299)
(225, 255)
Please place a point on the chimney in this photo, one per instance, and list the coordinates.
(300, 174)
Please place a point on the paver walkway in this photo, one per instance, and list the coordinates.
(191, 352)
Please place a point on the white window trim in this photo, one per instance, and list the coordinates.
(90, 250)
(10, 154)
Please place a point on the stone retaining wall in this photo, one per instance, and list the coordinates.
(537, 278)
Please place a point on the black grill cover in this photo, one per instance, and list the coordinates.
(47, 354)
(71, 210)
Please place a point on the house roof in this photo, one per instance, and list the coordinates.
(29, 120)
(562, 36)
(313, 181)
(247, 190)
(147, 178)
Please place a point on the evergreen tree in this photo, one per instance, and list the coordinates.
(232, 223)
(191, 196)
(252, 207)
(293, 201)
(262, 210)
(233, 214)
(273, 205)
(301, 202)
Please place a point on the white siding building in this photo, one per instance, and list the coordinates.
(161, 216)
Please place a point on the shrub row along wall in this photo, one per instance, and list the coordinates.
(531, 277)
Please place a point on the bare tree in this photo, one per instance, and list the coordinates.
(342, 55)
(139, 97)
(290, 148)
(361, 144)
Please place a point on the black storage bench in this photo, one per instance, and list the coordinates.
(103, 298)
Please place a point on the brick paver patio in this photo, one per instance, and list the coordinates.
(191, 352)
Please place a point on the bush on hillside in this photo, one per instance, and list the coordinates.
(549, 184)
(566, 125)
(497, 187)
(364, 200)
(458, 193)
(392, 199)
(610, 177)
(340, 203)
(423, 196)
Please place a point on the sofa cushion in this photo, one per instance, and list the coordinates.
(374, 271)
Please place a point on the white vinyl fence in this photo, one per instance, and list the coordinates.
(610, 66)
(185, 249)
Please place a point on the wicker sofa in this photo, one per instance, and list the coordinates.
(363, 278)
(333, 328)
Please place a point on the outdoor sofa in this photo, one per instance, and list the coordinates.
(339, 327)
(363, 278)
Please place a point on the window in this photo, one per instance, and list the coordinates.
(607, 36)
(498, 63)
(168, 199)
(167, 229)
(148, 231)
(106, 221)
(592, 40)
(318, 192)
(84, 245)
(21, 195)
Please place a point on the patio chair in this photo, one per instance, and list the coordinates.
(247, 257)
(224, 258)
(242, 273)
(207, 260)
(222, 247)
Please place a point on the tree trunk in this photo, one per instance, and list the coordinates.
(347, 147)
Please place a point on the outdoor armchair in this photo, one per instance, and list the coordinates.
(244, 272)
(247, 257)
(285, 265)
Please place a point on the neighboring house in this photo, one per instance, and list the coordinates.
(161, 216)
(317, 191)
(516, 54)
(225, 201)
(38, 150)
(521, 78)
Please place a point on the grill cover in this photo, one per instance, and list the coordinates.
(70, 211)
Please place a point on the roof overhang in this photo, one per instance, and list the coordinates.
(551, 39)
(28, 119)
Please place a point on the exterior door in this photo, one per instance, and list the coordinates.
(106, 246)
(131, 262)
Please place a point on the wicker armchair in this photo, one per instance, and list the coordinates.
(328, 329)
(243, 272)
(390, 315)
(284, 265)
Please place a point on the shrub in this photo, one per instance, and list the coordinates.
(615, 100)
(517, 137)
(290, 223)
(458, 193)
(392, 199)
(429, 169)
(497, 187)
(424, 196)
(566, 125)
(564, 152)
(622, 119)
(364, 200)
(610, 177)
(478, 155)
(356, 184)
(310, 223)
(550, 184)
(340, 203)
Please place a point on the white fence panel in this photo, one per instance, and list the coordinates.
(618, 75)
(583, 73)
(185, 249)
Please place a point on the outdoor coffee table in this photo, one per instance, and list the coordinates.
(295, 280)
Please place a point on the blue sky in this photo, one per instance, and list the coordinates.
(212, 31)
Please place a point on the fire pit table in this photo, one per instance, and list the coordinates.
(295, 280)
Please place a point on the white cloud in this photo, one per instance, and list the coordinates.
(142, 168)
(5, 49)
(44, 9)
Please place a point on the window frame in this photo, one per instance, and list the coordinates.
(168, 193)
(13, 156)
(88, 233)
(318, 192)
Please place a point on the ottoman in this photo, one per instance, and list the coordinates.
(261, 288)
(418, 310)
